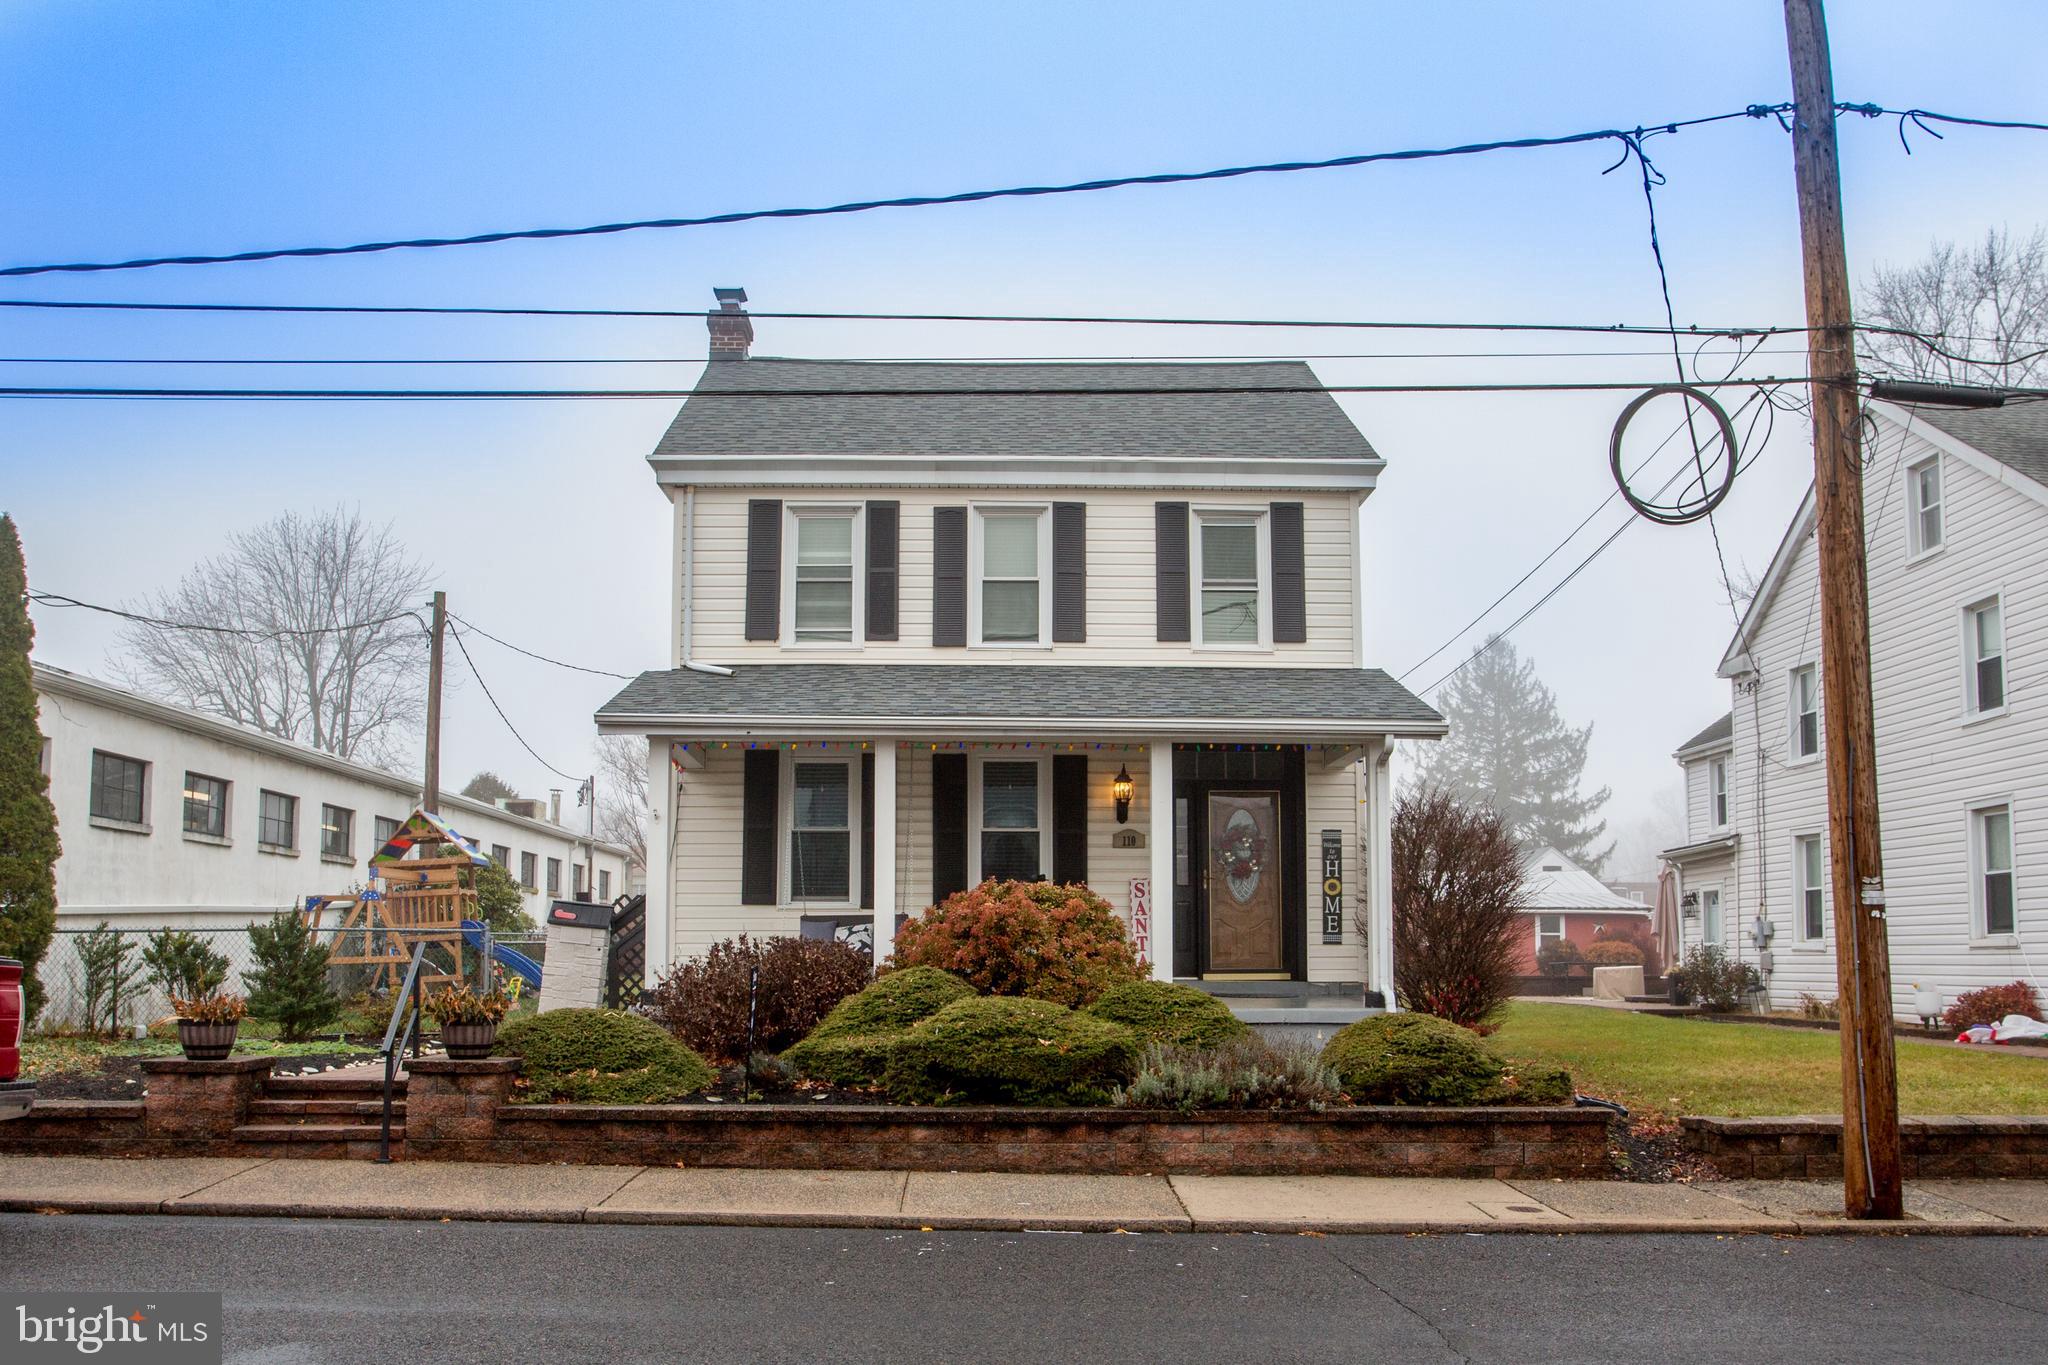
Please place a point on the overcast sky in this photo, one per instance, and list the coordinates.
(169, 128)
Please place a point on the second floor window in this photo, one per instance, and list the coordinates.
(337, 832)
(822, 583)
(1805, 737)
(1984, 634)
(206, 805)
(118, 786)
(1011, 600)
(1923, 506)
(529, 871)
(1991, 861)
(554, 876)
(1717, 792)
(277, 820)
(1810, 875)
(1228, 603)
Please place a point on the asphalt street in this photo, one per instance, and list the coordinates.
(306, 1292)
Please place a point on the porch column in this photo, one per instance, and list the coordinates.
(885, 850)
(1159, 774)
(661, 874)
(1379, 813)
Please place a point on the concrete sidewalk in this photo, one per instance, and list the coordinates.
(915, 1199)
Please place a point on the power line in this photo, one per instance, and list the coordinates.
(1754, 111)
(558, 663)
(456, 635)
(1248, 356)
(52, 599)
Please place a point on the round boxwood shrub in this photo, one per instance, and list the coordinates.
(850, 1046)
(1000, 1050)
(1162, 1012)
(1533, 1083)
(1613, 952)
(601, 1057)
(1412, 1059)
(1044, 942)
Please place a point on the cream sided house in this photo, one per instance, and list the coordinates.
(936, 623)
(1956, 523)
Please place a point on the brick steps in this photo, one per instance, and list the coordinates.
(370, 1110)
(335, 1114)
(345, 1141)
(365, 1084)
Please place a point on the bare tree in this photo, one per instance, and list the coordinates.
(304, 627)
(1984, 309)
(622, 794)
(1457, 874)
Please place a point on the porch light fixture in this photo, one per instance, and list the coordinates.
(1123, 789)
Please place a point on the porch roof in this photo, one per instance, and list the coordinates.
(1101, 701)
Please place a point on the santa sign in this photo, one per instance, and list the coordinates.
(1141, 917)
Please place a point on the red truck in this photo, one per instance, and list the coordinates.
(16, 1095)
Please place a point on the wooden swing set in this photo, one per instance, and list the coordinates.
(417, 894)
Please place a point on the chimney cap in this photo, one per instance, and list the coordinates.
(729, 296)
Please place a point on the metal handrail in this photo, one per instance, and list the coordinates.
(408, 1008)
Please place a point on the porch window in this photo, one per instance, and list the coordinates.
(1923, 506)
(1810, 876)
(1230, 604)
(1011, 601)
(1011, 820)
(1991, 861)
(1805, 692)
(821, 831)
(821, 611)
(1549, 930)
(1984, 635)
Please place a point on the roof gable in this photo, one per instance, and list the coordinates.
(1551, 881)
(1719, 735)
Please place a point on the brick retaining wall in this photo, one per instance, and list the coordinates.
(1788, 1147)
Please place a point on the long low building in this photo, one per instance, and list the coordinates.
(174, 818)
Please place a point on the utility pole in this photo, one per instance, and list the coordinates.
(1871, 1172)
(430, 791)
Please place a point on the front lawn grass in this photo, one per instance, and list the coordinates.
(1693, 1066)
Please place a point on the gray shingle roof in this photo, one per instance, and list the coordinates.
(2015, 435)
(840, 407)
(1352, 698)
(1721, 731)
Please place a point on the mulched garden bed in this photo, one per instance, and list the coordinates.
(1652, 1152)
(121, 1078)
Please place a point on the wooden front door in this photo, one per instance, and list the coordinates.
(1242, 883)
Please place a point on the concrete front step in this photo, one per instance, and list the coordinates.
(331, 1141)
(333, 1085)
(370, 1110)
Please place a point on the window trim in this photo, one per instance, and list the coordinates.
(227, 810)
(1800, 938)
(1915, 549)
(975, 763)
(92, 790)
(792, 512)
(1981, 935)
(785, 829)
(1262, 570)
(1794, 715)
(1543, 938)
(265, 845)
(1970, 608)
(529, 871)
(347, 856)
(553, 874)
(1720, 808)
(976, 513)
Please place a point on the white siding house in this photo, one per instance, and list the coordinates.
(1956, 521)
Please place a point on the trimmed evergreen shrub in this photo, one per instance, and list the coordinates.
(850, 1046)
(184, 965)
(1162, 1012)
(1412, 1059)
(1000, 1050)
(28, 823)
(1044, 942)
(1613, 952)
(289, 985)
(1532, 1083)
(704, 1001)
(581, 1056)
(108, 974)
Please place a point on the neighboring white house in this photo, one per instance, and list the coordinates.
(1956, 522)
(173, 818)
(935, 623)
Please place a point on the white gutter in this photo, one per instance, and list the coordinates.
(690, 585)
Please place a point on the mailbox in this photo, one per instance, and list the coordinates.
(580, 914)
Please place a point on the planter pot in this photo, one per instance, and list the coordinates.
(207, 1042)
(469, 1042)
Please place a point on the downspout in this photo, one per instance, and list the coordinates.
(690, 585)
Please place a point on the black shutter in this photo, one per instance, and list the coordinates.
(757, 827)
(1290, 577)
(764, 568)
(883, 519)
(1069, 572)
(867, 831)
(949, 576)
(949, 825)
(1170, 548)
(1069, 818)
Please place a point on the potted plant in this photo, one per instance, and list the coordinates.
(469, 1020)
(207, 1024)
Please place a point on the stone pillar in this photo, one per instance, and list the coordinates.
(200, 1102)
(1159, 796)
(451, 1107)
(885, 850)
(573, 977)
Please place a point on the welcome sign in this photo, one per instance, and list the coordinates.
(1333, 886)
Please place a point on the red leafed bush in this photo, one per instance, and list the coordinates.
(1457, 875)
(1059, 943)
(1635, 933)
(1992, 1004)
(703, 1001)
(1613, 952)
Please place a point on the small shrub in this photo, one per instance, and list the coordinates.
(1715, 980)
(289, 985)
(1033, 939)
(1991, 1004)
(704, 1001)
(1162, 1012)
(995, 1050)
(1812, 1006)
(1244, 1074)
(851, 1045)
(1613, 952)
(1636, 933)
(1532, 1083)
(601, 1057)
(1558, 958)
(1412, 1059)
(109, 974)
(183, 965)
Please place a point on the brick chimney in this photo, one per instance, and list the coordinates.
(732, 331)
